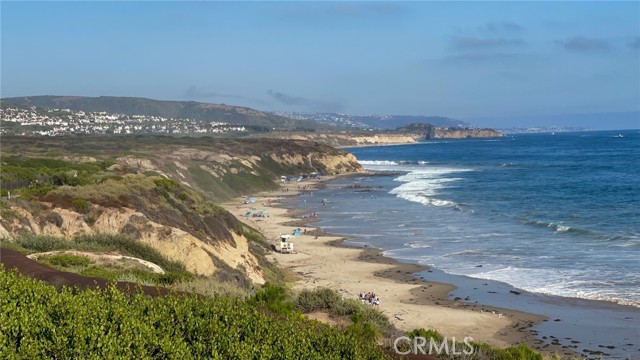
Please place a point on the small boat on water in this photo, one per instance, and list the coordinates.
(619, 136)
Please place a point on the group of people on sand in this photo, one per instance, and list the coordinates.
(369, 298)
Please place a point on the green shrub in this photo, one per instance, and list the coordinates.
(37, 321)
(127, 246)
(7, 214)
(210, 286)
(317, 299)
(166, 184)
(42, 243)
(100, 242)
(347, 307)
(67, 260)
(274, 298)
(324, 299)
(362, 328)
(81, 205)
(427, 334)
(36, 191)
(136, 275)
(520, 352)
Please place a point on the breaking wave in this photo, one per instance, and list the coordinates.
(559, 227)
(423, 186)
(391, 162)
(569, 283)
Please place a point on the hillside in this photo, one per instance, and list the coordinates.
(169, 109)
(160, 191)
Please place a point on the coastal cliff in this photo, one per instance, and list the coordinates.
(423, 131)
(408, 134)
(463, 133)
(202, 253)
(162, 192)
(350, 139)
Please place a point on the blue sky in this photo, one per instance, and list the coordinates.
(469, 60)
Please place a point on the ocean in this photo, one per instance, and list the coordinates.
(550, 214)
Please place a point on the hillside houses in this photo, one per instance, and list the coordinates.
(57, 122)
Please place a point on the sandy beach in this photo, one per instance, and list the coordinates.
(321, 261)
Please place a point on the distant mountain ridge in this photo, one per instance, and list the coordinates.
(170, 109)
(259, 121)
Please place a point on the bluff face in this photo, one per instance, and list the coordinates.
(161, 191)
(463, 133)
(423, 131)
(405, 135)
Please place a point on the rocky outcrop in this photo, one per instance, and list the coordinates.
(333, 164)
(463, 133)
(406, 135)
(353, 139)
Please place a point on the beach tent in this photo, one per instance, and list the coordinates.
(250, 200)
(296, 232)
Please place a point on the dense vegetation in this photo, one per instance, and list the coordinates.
(36, 321)
(36, 176)
(30, 163)
(323, 299)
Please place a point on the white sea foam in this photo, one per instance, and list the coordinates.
(417, 245)
(422, 185)
(559, 227)
(425, 200)
(565, 282)
(377, 162)
(392, 165)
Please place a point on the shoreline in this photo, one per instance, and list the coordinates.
(322, 260)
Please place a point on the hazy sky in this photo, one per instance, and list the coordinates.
(458, 59)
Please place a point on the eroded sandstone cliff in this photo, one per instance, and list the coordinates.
(163, 192)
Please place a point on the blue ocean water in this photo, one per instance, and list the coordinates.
(550, 214)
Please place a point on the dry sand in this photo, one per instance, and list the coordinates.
(320, 261)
